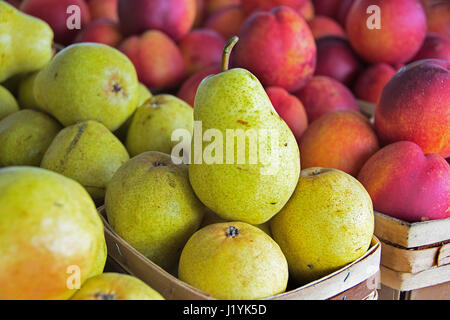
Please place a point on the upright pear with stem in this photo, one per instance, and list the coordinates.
(251, 165)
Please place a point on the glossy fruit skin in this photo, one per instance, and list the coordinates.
(262, 36)
(407, 184)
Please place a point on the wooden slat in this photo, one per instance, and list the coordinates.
(409, 260)
(438, 292)
(444, 255)
(411, 235)
(404, 281)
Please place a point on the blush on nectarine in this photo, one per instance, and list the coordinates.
(277, 47)
(342, 140)
(54, 12)
(336, 59)
(415, 106)
(290, 109)
(398, 36)
(103, 9)
(322, 95)
(371, 81)
(188, 89)
(227, 21)
(435, 46)
(325, 26)
(157, 59)
(101, 31)
(407, 184)
(201, 48)
(173, 17)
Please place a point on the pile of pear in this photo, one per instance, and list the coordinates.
(78, 130)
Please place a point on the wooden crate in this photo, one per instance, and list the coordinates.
(414, 256)
(358, 280)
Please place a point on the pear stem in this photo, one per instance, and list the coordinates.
(227, 51)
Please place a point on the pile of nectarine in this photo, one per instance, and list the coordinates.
(316, 59)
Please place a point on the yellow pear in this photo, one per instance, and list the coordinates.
(234, 261)
(116, 286)
(327, 223)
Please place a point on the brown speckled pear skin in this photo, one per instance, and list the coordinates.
(153, 123)
(235, 99)
(8, 103)
(25, 136)
(88, 153)
(26, 43)
(327, 223)
(88, 81)
(151, 205)
(116, 286)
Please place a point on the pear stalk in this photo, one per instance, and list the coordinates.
(227, 51)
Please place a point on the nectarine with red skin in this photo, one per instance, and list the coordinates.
(290, 109)
(371, 81)
(336, 59)
(101, 31)
(157, 59)
(277, 47)
(415, 106)
(227, 21)
(188, 89)
(342, 140)
(173, 17)
(54, 12)
(322, 95)
(103, 9)
(407, 184)
(399, 36)
(325, 26)
(201, 48)
(435, 46)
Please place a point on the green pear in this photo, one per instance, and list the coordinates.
(88, 81)
(88, 153)
(25, 136)
(153, 123)
(25, 92)
(8, 103)
(144, 95)
(242, 181)
(151, 205)
(25, 42)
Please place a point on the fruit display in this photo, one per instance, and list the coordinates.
(225, 143)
